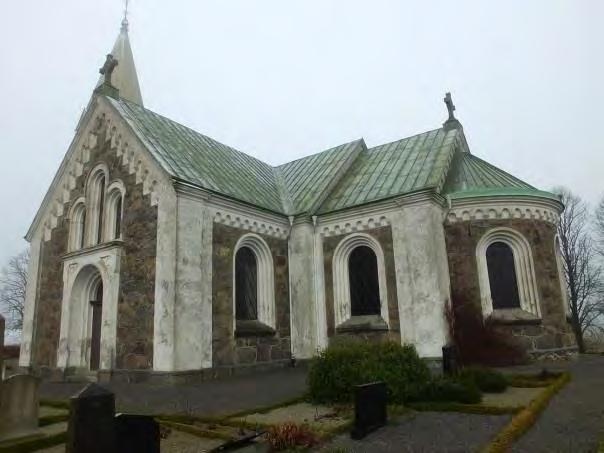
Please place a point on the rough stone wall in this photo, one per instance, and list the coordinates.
(462, 238)
(137, 279)
(226, 349)
(384, 236)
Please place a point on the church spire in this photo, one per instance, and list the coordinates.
(124, 76)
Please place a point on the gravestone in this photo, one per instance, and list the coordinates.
(91, 426)
(19, 406)
(370, 408)
(450, 360)
(136, 434)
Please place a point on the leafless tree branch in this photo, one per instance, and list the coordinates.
(13, 281)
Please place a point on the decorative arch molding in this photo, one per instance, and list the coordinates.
(495, 211)
(95, 190)
(266, 278)
(353, 226)
(100, 122)
(341, 281)
(77, 223)
(251, 224)
(524, 267)
(113, 213)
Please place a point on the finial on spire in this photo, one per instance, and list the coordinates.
(125, 19)
(452, 122)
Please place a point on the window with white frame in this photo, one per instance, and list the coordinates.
(77, 218)
(253, 282)
(359, 279)
(113, 217)
(95, 194)
(506, 272)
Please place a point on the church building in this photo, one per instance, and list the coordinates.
(160, 251)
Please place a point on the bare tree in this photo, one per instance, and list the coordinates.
(13, 281)
(583, 275)
(599, 224)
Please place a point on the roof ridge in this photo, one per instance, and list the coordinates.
(361, 139)
(404, 138)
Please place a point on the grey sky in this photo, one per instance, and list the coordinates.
(283, 79)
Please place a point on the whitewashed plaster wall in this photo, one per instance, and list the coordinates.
(74, 338)
(193, 309)
(423, 286)
(29, 315)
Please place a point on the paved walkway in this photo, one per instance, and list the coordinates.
(210, 398)
(574, 419)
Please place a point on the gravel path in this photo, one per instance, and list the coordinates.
(218, 397)
(428, 432)
(574, 419)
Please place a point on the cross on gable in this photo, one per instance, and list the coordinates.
(108, 67)
(450, 106)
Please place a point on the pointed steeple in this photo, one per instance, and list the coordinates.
(124, 76)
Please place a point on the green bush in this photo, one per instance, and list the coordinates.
(335, 372)
(485, 379)
(447, 390)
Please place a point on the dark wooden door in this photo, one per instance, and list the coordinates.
(95, 334)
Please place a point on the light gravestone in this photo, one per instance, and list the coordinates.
(91, 427)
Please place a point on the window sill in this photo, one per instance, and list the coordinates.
(368, 323)
(252, 328)
(94, 248)
(513, 316)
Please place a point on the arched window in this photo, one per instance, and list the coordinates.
(506, 272)
(359, 279)
(502, 276)
(95, 195)
(364, 284)
(246, 285)
(113, 218)
(253, 282)
(561, 275)
(77, 218)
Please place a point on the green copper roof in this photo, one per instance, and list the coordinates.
(338, 178)
(309, 179)
(193, 157)
(408, 165)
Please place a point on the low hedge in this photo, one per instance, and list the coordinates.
(334, 373)
(485, 379)
(447, 390)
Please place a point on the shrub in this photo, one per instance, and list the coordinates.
(335, 372)
(447, 390)
(289, 436)
(485, 379)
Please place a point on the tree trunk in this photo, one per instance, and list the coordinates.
(578, 336)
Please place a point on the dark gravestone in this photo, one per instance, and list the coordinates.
(450, 360)
(370, 412)
(136, 434)
(91, 421)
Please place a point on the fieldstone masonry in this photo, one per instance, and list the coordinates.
(244, 350)
(137, 280)
(553, 331)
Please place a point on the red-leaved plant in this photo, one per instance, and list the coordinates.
(290, 435)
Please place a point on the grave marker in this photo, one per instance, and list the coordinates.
(370, 408)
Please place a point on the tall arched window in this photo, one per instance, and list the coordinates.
(113, 218)
(253, 282)
(359, 279)
(78, 221)
(561, 275)
(364, 284)
(502, 276)
(95, 197)
(246, 285)
(506, 272)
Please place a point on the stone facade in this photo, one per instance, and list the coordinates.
(553, 331)
(137, 279)
(384, 236)
(226, 349)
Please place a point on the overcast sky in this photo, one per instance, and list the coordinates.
(284, 79)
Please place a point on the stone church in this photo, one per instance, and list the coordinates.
(158, 250)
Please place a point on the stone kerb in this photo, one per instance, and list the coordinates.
(19, 406)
